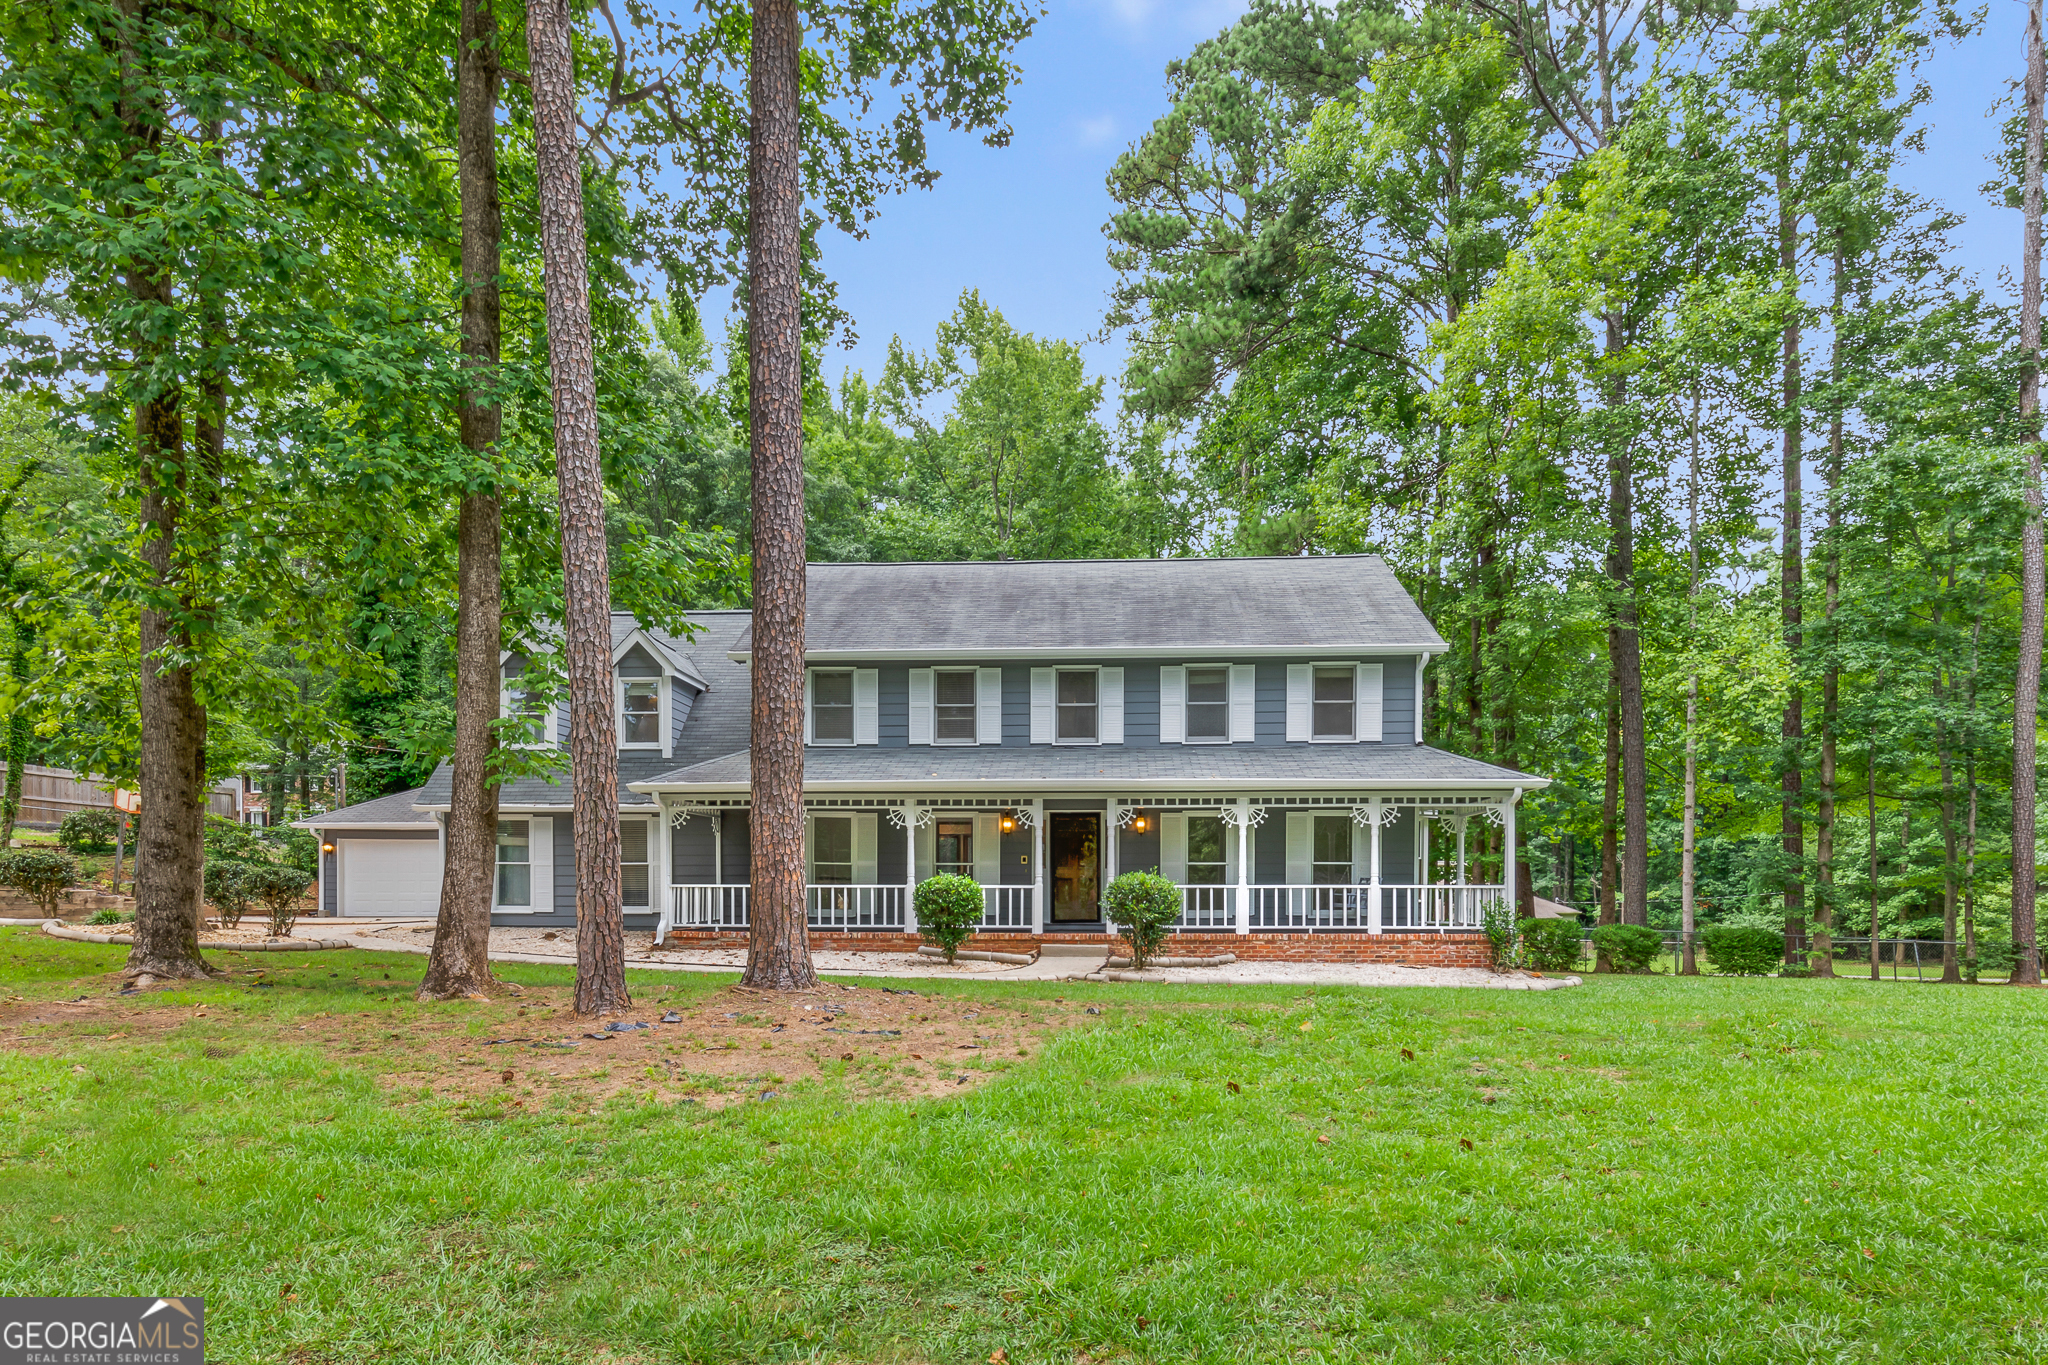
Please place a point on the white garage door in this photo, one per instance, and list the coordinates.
(391, 878)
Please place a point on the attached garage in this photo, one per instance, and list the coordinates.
(388, 878)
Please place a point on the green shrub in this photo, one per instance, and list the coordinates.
(1628, 947)
(1741, 950)
(1143, 906)
(88, 831)
(109, 915)
(226, 890)
(948, 910)
(280, 889)
(1551, 945)
(1503, 944)
(43, 877)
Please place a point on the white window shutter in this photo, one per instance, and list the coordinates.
(920, 706)
(1244, 715)
(866, 832)
(807, 706)
(1041, 706)
(1173, 697)
(988, 706)
(867, 721)
(1298, 713)
(1173, 847)
(1371, 678)
(988, 848)
(1112, 704)
(927, 850)
(1301, 828)
(540, 856)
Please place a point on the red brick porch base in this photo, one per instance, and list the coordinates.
(1434, 950)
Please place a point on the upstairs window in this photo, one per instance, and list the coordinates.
(1335, 713)
(831, 706)
(515, 863)
(953, 718)
(1076, 692)
(640, 713)
(1208, 705)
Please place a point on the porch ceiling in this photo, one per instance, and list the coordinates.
(1194, 767)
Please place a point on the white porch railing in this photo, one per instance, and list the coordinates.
(1401, 908)
(1438, 907)
(1007, 907)
(854, 907)
(1208, 907)
(706, 907)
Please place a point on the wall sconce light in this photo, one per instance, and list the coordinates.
(327, 848)
(1139, 824)
(1009, 822)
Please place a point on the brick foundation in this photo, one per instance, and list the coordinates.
(1433, 950)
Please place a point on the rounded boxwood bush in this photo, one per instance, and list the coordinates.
(225, 889)
(1629, 947)
(1743, 950)
(1551, 945)
(280, 889)
(43, 876)
(949, 909)
(1143, 906)
(88, 831)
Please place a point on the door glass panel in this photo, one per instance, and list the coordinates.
(1074, 840)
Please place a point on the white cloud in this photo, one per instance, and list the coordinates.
(1093, 132)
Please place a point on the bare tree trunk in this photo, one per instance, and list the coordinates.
(579, 477)
(1625, 648)
(1823, 957)
(778, 938)
(460, 963)
(1871, 811)
(2027, 688)
(1791, 580)
(1950, 970)
(1688, 961)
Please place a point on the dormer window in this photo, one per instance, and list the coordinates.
(640, 714)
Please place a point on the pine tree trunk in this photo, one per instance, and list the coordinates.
(1791, 585)
(2027, 687)
(778, 939)
(460, 962)
(1871, 812)
(1687, 887)
(1625, 649)
(1823, 957)
(22, 636)
(1951, 972)
(579, 477)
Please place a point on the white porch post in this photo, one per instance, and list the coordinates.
(909, 866)
(1374, 915)
(1244, 865)
(1041, 883)
(664, 901)
(1507, 861)
(1461, 849)
(718, 851)
(1112, 842)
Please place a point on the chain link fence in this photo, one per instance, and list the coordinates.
(1897, 959)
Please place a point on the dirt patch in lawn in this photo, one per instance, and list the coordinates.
(527, 1052)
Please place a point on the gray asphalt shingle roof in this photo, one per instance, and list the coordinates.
(1127, 606)
(394, 808)
(1240, 765)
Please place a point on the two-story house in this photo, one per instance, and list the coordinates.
(1247, 727)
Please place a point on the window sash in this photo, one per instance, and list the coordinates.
(832, 849)
(1331, 850)
(1335, 703)
(515, 863)
(1208, 853)
(633, 866)
(953, 848)
(953, 716)
(640, 716)
(832, 706)
(1077, 697)
(1206, 710)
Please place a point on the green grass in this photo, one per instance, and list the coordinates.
(1659, 1170)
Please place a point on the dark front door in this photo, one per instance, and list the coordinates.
(1074, 840)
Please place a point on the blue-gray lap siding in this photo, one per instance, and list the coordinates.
(1141, 700)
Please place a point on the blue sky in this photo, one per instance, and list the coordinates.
(1023, 223)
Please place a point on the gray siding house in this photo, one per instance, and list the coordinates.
(1247, 727)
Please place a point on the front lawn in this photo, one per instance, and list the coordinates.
(1635, 1170)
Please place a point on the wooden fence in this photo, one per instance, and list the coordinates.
(50, 794)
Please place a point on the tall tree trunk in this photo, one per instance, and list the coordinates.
(1823, 957)
(460, 963)
(1791, 584)
(20, 637)
(1610, 808)
(1870, 791)
(579, 477)
(2027, 688)
(778, 938)
(1687, 888)
(1950, 969)
(1625, 648)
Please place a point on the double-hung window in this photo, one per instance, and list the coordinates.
(1208, 706)
(1335, 705)
(832, 849)
(953, 717)
(831, 706)
(954, 848)
(1332, 855)
(640, 713)
(1076, 706)
(515, 863)
(633, 878)
(1207, 858)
